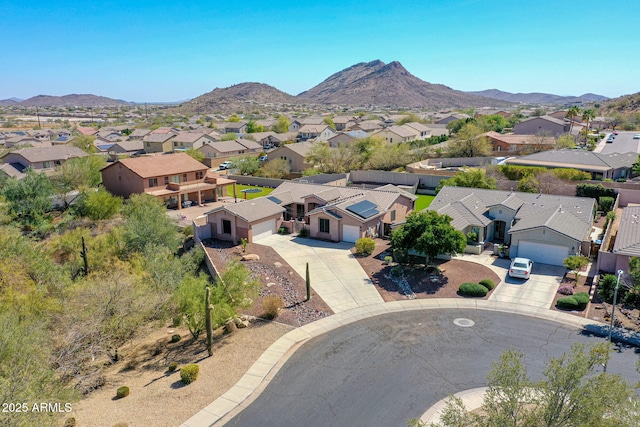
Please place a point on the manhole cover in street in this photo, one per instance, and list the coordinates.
(464, 323)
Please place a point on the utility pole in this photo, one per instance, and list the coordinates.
(83, 253)
(38, 116)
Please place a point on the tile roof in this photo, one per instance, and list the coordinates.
(166, 164)
(226, 146)
(159, 137)
(45, 154)
(301, 148)
(313, 128)
(586, 160)
(190, 137)
(249, 144)
(252, 210)
(571, 216)
(628, 237)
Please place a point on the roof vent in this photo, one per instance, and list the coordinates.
(560, 209)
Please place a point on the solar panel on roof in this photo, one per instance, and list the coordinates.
(364, 209)
(274, 199)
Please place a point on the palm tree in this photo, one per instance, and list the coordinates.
(572, 113)
(588, 115)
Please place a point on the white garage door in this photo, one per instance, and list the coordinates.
(544, 254)
(350, 233)
(263, 229)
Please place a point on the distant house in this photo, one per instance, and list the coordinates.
(41, 159)
(421, 131)
(239, 128)
(129, 148)
(444, 119)
(600, 166)
(491, 112)
(320, 132)
(368, 126)
(396, 134)
(186, 140)
(177, 179)
(344, 122)
(89, 131)
(217, 149)
(25, 141)
(514, 144)
(138, 134)
(627, 240)
(345, 138)
(542, 125)
(158, 142)
(294, 154)
(542, 227)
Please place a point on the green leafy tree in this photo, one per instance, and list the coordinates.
(234, 118)
(428, 233)
(276, 168)
(85, 143)
(282, 125)
(469, 142)
(575, 263)
(529, 184)
(190, 300)
(494, 122)
(146, 223)
(253, 127)
(471, 178)
(198, 155)
(329, 122)
(100, 205)
(229, 137)
(388, 157)
(29, 199)
(565, 141)
(572, 393)
(456, 126)
(636, 167)
(246, 165)
(410, 118)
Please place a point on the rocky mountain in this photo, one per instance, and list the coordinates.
(74, 100)
(624, 105)
(8, 102)
(389, 85)
(235, 98)
(538, 98)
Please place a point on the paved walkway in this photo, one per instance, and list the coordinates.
(267, 366)
(335, 274)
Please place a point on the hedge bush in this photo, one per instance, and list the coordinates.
(487, 283)
(472, 290)
(175, 338)
(568, 303)
(189, 373)
(173, 366)
(582, 298)
(571, 174)
(122, 392)
(606, 203)
(607, 286)
(365, 246)
(594, 191)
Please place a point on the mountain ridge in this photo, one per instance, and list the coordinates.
(538, 97)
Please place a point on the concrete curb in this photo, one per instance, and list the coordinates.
(267, 366)
(471, 398)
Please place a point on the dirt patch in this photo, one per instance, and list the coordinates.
(423, 283)
(277, 278)
(158, 397)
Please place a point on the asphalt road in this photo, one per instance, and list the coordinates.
(623, 143)
(387, 369)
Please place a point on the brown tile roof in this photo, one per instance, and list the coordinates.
(45, 154)
(167, 164)
(252, 210)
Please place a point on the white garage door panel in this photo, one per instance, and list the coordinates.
(543, 254)
(263, 229)
(350, 233)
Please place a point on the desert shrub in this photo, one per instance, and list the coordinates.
(396, 271)
(516, 173)
(173, 366)
(175, 338)
(582, 298)
(365, 246)
(122, 392)
(571, 174)
(304, 232)
(565, 290)
(606, 203)
(272, 304)
(189, 373)
(606, 288)
(472, 238)
(568, 303)
(388, 259)
(472, 290)
(487, 283)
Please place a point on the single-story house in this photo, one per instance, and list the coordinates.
(422, 131)
(41, 158)
(238, 128)
(542, 227)
(138, 134)
(396, 134)
(186, 140)
(344, 122)
(158, 142)
(600, 166)
(320, 132)
(513, 143)
(215, 149)
(249, 219)
(446, 118)
(369, 126)
(294, 154)
(343, 213)
(542, 125)
(177, 179)
(345, 138)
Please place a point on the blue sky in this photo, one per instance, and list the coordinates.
(172, 50)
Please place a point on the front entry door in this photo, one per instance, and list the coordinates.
(500, 227)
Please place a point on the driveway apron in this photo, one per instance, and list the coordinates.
(336, 276)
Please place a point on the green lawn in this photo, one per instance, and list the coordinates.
(241, 195)
(424, 200)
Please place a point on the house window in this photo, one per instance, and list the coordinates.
(393, 215)
(498, 148)
(199, 174)
(148, 144)
(324, 225)
(184, 177)
(153, 182)
(46, 165)
(226, 226)
(175, 179)
(166, 180)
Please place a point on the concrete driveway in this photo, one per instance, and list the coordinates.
(336, 276)
(539, 291)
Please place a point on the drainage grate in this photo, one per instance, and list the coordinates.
(463, 323)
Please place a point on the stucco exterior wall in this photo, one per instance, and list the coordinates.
(546, 236)
(121, 181)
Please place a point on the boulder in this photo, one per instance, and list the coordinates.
(241, 323)
(250, 257)
(277, 264)
(270, 284)
(230, 326)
